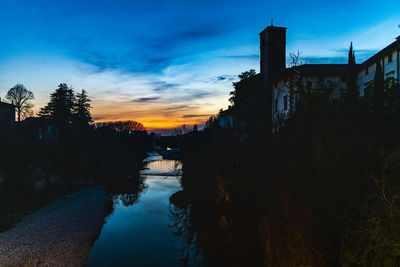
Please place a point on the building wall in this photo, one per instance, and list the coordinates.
(390, 69)
(7, 114)
(281, 90)
(225, 121)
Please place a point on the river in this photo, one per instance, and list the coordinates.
(138, 232)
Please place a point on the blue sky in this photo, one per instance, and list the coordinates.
(167, 63)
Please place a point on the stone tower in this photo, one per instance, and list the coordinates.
(272, 61)
(272, 51)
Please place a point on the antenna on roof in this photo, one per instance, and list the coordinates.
(272, 23)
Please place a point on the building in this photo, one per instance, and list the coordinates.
(389, 59)
(272, 61)
(40, 129)
(323, 78)
(7, 113)
(281, 83)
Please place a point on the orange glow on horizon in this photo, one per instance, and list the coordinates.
(155, 115)
(151, 124)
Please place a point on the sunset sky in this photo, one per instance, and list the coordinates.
(168, 63)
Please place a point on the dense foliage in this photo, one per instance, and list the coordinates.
(61, 105)
(323, 192)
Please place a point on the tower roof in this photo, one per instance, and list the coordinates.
(387, 50)
(273, 28)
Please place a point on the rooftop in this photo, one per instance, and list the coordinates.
(269, 28)
(3, 104)
(382, 53)
(313, 69)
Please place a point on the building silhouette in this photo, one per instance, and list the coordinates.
(7, 113)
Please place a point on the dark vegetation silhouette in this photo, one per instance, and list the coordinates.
(323, 192)
(352, 89)
(128, 126)
(60, 107)
(58, 152)
(21, 97)
(81, 109)
(378, 93)
(248, 102)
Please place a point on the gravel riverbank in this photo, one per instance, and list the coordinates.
(60, 234)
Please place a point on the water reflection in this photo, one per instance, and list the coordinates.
(163, 168)
(137, 233)
(216, 231)
(180, 223)
(152, 156)
(126, 191)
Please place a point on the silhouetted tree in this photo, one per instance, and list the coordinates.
(82, 108)
(249, 99)
(212, 122)
(379, 91)
(61, 105)
(195, 128)
(21, 97)
(294, 59)
(122, 126)
(235, 95)
(352, 90)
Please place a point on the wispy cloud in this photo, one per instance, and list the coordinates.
(325, 60)
(253, 56)
(224, 78)
(146, 99)
(195, 115)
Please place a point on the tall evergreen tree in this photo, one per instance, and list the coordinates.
(61, 105)
(379, 90)
(82, 108)
(352, 90)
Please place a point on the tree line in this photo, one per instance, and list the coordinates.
(65, 107)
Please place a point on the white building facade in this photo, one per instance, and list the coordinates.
(329, 77)
(323, 78)
(390, 62)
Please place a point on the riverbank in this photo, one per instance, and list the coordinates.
(60, 234)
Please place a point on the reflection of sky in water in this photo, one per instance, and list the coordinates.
(163, 167)
(139, 235)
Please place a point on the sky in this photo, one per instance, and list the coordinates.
(169, 63)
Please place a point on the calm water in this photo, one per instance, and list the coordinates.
(139, 234)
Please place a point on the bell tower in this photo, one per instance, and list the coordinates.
(272, 51)
(272, 61)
